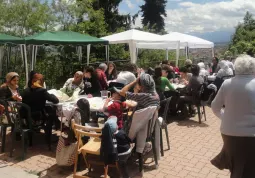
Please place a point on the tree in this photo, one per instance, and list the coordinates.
(153, 13)
(26, 17)
(243, 40)
(113, 19)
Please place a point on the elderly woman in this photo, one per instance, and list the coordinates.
(73, 84)
(224, 71)
(146, 93)
(234, 105)
(203, 72)
(9, 91)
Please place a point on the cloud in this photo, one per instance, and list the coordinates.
(206, 17)
(129, 4)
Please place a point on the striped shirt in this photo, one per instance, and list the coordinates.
(143, 100)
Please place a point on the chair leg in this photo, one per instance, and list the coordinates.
(3, 133)
(161, 143)
(204, 112)
(24, 143)
(167, 138)
(140, 155)
(199, 114)
(106, 171)
(118, 168)
(154, 153)
(13, 135)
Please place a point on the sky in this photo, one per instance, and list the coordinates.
(201, 17)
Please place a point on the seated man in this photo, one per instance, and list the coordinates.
(73, 84)
(101, 76)
(192, 91)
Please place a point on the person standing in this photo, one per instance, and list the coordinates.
(234, 105)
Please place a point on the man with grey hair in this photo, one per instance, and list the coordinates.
(101, 75)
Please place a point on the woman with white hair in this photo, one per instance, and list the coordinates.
(203, 72)
(234, 105)
(225, 70)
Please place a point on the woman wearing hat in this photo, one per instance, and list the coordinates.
(9, 91)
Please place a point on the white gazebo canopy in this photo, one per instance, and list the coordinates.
(139, 39)
(188, 40)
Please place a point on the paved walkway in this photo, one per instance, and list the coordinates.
(193, 145)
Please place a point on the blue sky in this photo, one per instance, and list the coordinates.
(125, 6)
(197, 16)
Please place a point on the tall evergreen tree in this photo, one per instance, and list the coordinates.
(153, 13)
(113, 19)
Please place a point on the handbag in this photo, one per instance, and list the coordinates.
(65, 154)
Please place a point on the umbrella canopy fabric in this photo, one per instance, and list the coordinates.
(4, 39)
(62, 38)
(188, 40)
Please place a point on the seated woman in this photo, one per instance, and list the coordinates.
(9, 91)
(168, 72)
(111, 72)
(193, 88)
(73, 84)
(161, 83)
(36, 96)
(184, 76)
(224, 71)
(146, 93)
(203, 72)
(91, 83)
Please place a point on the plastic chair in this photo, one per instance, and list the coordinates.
(200, 104)
(164, 126)
(22, 124)
(4, 126)
(150, 138)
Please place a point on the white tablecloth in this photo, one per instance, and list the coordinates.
(66, 110)
(176, 86)
(96, 103)
(211, 77)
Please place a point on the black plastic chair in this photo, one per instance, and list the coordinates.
(201, 104)
(4, 126)
(22, 124)
(164, 125)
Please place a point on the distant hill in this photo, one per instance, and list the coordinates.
(216, 37)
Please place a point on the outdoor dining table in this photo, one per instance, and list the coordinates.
(64, 109)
